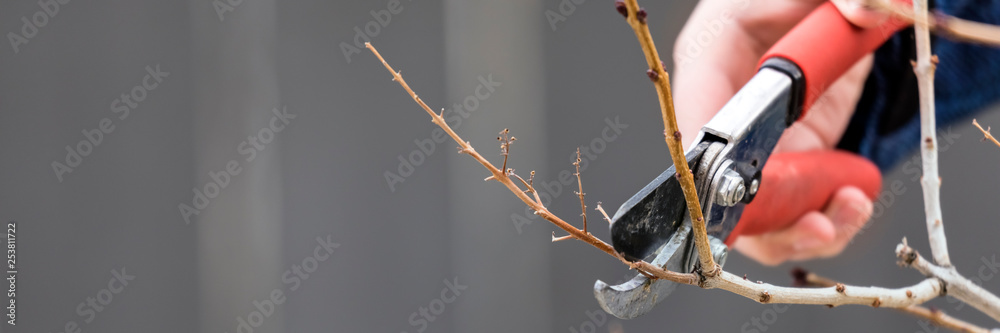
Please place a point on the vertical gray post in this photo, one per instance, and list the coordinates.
(239, 233)
(507, 272)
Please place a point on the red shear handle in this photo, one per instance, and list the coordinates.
(793, 184)
(825, 45)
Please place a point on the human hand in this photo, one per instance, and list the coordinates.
(715, 55)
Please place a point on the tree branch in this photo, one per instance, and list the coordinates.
(924, 68)
(934, 316)
(831, 296)
(636, 18)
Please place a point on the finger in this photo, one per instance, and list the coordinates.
(815, 234)
(860, 14)
(810, 231)
(849, 211)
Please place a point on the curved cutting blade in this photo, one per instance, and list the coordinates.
(638, 296)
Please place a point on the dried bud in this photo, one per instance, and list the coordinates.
(653, 75)
(799, 276)
(620, 7)
(641, 15)
(765, 297)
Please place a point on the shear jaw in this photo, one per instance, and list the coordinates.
(639, 295)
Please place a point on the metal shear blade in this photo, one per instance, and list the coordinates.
(638, 296)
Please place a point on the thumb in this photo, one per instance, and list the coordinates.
(796, 183)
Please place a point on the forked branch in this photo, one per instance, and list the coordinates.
(958, 286)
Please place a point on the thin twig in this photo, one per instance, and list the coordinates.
(942, 319)
(636, 18)
(505, 142)
(559, 239)
(579, 192)
(466, 148)
(924, 68)
(603, 213)
(986, 133)
(810, 279)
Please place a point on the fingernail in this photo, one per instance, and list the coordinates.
(850, 214)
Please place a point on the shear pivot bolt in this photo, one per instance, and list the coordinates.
(731, 189)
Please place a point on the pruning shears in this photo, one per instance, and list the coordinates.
(729, 156)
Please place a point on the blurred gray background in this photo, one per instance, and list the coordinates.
(323, 175)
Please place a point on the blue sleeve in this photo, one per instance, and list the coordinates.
(886, 127)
